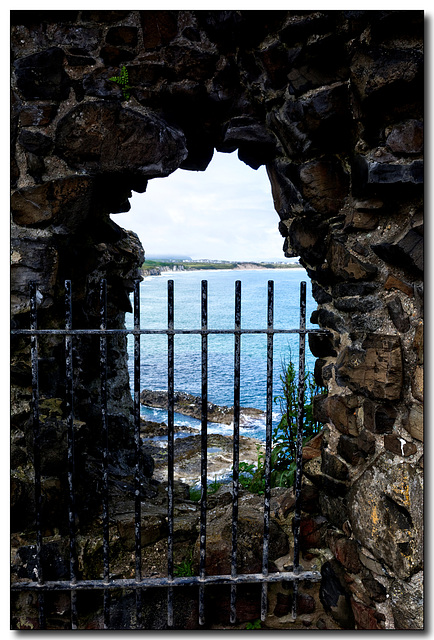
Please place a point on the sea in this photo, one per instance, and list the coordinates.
(221, 304)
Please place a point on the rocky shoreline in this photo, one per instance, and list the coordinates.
(189, 405)
(187, 457)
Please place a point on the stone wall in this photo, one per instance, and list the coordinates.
(332, 103)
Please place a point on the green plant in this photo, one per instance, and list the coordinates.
(195, 492)
(256, 624)
(122, 80)
(252, 478)
(283, 456)
(213, 486)
(284, 442)
(184, 568)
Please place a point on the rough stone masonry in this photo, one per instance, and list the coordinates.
(331, 102)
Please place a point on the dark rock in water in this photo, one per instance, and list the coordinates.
(190, 405)
(150, 429)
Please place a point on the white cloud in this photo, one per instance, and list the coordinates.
(225, 212)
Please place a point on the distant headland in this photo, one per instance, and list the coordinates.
(157, 266)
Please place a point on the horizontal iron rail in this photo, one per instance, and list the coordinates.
(133, 332)
(125, 583)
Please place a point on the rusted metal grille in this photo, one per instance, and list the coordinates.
(139, 583)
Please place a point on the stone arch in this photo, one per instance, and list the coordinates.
(331, 102)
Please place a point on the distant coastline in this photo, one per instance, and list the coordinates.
(157, 267)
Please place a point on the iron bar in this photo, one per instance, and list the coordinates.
(36, 447)
(170, 582)
(170, 445)
(71, 447)
(132, 583)
(236, 446)
(105, 450)
(268, 443)
(204, 445)
(299, 449)
(138, 467)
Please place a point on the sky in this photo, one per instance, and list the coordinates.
(223, 213)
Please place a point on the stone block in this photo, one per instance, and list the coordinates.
(384, 173)
(407, 600)
(321, 345)
(414, 422)
(320, 119)
(97, 84)
(305, 604)
(389, 520)
(159, 27)
(122, 36)
(379, 418)
(341, 410)
(41, 76)
(318, 372)
(399, 446)
(307, 238)
(287, 199)
(309, 453)
(361, 221)
(366, 443)
(312, 531)
(64, 201)
(325, 184)
(105, 137)
(250, 540)
(332, 466)
(375, 589)
(320, 294)
(35, 167)
(398, 316)
(367, 618)
(393, 282)
(256, 145)
(153, 529)
(418, 342)
(360, 288)
(319, 403)
(348, 449)
(334, 597)
(406, 137)
(405, 251)
(309, 498)
(374, 369)
(345, 551)
(114, 56)
(35, 142)
(375, 73)
(346, 266)
(38, 115)
(417, 383)
(366, 304)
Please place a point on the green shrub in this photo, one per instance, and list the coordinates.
(284, 441)
(283, 456)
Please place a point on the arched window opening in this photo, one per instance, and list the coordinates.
(219, 226)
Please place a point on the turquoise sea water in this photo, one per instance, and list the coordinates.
(221, 296)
